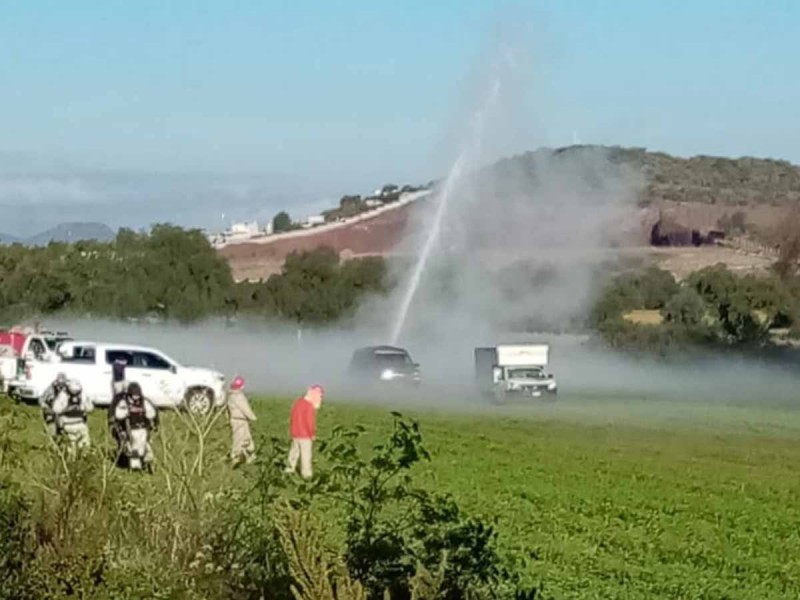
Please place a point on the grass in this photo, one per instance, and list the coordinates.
(603, 499)
(644, 317)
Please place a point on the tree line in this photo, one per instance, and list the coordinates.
(173, 273)
(650, 310)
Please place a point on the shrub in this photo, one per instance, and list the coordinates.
(17, 547)
(396, 533)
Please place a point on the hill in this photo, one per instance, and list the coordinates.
(702, 192)
(699, 179)
(8, 239)
(65, 232)
(370, 234)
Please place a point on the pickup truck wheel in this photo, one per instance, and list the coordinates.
(198, 401)
(499, 397)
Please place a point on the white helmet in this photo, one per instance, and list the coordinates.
(74, 387)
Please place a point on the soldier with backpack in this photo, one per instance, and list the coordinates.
(136, 418)
(46, 403)
(71, 409)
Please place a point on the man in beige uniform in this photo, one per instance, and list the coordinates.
(240, 414)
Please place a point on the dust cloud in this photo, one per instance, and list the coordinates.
(595, 384)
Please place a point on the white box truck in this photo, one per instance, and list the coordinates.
(514, 370)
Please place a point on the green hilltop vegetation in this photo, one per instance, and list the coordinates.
(699, 179)
(574, 500)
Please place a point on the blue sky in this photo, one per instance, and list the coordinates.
(263, 104)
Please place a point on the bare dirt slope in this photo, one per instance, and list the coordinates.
(698, 193)
(376, 235)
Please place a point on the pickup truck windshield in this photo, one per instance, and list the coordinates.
(392, 359)
(526, 374)
(53, 342)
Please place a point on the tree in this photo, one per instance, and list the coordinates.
(739, 303)
(712, 306)
(686, 308)
(349, 202)
(281, 222)
(176, 274)
(787, 240)
(314, 288)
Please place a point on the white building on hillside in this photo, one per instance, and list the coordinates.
(313, 221)
(237, 232)
(242, 230)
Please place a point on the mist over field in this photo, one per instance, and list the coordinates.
(593, 382)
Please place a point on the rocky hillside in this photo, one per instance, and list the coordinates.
(702, 192)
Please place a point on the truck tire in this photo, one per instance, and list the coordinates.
(498, 397)
(199, 401)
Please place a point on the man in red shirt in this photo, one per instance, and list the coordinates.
(303, 430)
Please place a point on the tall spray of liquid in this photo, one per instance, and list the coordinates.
(467, 159)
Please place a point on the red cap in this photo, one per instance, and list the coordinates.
(237, 383)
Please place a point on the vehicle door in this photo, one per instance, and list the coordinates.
(82, 365)
(37, 348)
(157, 376)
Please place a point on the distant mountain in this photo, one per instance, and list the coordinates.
(65, 232)
(8, 239)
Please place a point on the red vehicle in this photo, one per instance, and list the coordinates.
(14, 339)
(18, 346)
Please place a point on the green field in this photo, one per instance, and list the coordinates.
(602, 499)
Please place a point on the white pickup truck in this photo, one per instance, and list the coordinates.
(165, 382)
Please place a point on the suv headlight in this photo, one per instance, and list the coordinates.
(551, 386)
(387, 374)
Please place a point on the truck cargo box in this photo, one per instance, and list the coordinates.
(512, 355)
(485, 361)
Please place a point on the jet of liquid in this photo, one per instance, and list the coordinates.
(467, 156)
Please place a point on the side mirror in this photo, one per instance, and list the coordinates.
(173, 369)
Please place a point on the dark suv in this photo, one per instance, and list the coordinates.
(388, 364)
